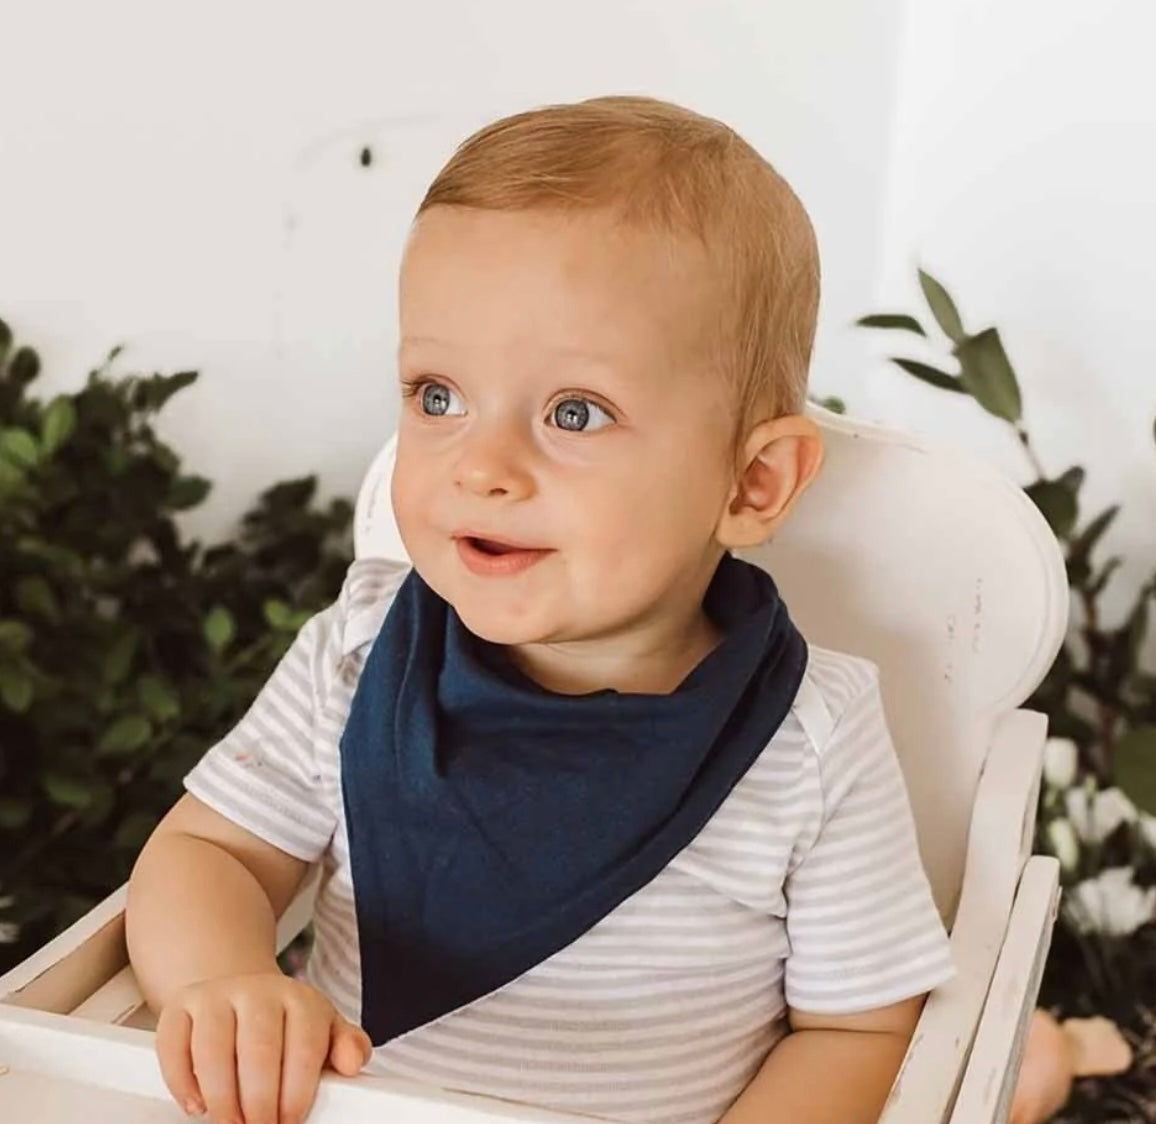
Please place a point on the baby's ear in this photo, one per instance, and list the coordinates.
(779, 459)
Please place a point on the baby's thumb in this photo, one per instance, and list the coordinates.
(349, 1047)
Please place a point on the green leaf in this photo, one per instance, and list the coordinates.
(1135, 767)
(158, 698)
(5, 343)
(942, 307)
(1057, 504)
(1137, 628)
(100, 804)
(166, 458)
(65, 790)
(15, 687)
(152, 393)
(67, 562)
(125, 736)
(15, 636)
(835, 404)
(11, 478)
(118, 659)
(279, 615)
(14, 814)
(116, 460)
(1097, 584)
(987, 375)
(299, 619)
(187, 491)
(19, 447)
(58, 425)
(932, 375)
(1085, 542)
(25, 366)
(219, 628)
(897, 320)
(34, 596)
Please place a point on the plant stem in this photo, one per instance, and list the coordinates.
(1036, 463)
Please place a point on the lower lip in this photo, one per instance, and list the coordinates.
(497, 565)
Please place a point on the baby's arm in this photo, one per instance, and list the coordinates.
(235, 1036)
(832, 1069)
(866, 941)
(203, 901)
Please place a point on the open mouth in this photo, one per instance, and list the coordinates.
(494, 558)
(489, 546)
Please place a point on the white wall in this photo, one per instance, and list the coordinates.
(1024, 177)
(184, 178)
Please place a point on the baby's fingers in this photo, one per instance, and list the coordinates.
(214, 1050)
(306, 1043)
(174, 1031)
(349, 1047)
(260, 1037)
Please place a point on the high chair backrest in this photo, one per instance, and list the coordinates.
(923, 560)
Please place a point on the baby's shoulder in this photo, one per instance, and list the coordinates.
(370, 586)
(832, 683)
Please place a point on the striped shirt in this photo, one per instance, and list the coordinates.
(805, 888)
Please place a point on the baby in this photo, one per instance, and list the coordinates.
(598, 831)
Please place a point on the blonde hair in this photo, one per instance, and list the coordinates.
(658, 166)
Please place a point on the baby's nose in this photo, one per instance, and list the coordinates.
(494, 464)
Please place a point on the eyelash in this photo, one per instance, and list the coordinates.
(412, 388)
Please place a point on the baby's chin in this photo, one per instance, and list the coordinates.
(502, 629)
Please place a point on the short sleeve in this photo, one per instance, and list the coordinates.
(263, 774)
(862, 925)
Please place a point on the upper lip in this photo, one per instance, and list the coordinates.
(498, 540)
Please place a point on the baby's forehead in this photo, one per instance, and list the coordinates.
(587, 270)
(554, 232)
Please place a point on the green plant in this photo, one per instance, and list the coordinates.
(1097, 810)
(124, 652)
(1096, 693)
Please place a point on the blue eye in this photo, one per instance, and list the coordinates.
(579, 415)
(439, 401)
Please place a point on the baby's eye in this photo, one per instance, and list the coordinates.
(579, 415)
(439, 401)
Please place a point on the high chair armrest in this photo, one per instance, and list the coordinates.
(62, 974)
(84, 970)
(989, 1081)
(999, 840)
(57, 1070)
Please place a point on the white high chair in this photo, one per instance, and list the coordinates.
(922, 560)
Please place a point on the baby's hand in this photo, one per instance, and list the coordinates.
(251, 1048)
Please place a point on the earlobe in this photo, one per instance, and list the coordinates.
(779, 460)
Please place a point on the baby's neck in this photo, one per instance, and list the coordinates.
(651, 660)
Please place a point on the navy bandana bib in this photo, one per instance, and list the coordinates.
(492, 822)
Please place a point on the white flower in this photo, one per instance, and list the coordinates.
(1111, 903)
(1065, 846)
(1060, 757)
(1097, 815)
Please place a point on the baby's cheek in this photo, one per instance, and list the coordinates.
(410, 508)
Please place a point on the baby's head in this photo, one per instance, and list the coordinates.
(606, 318)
